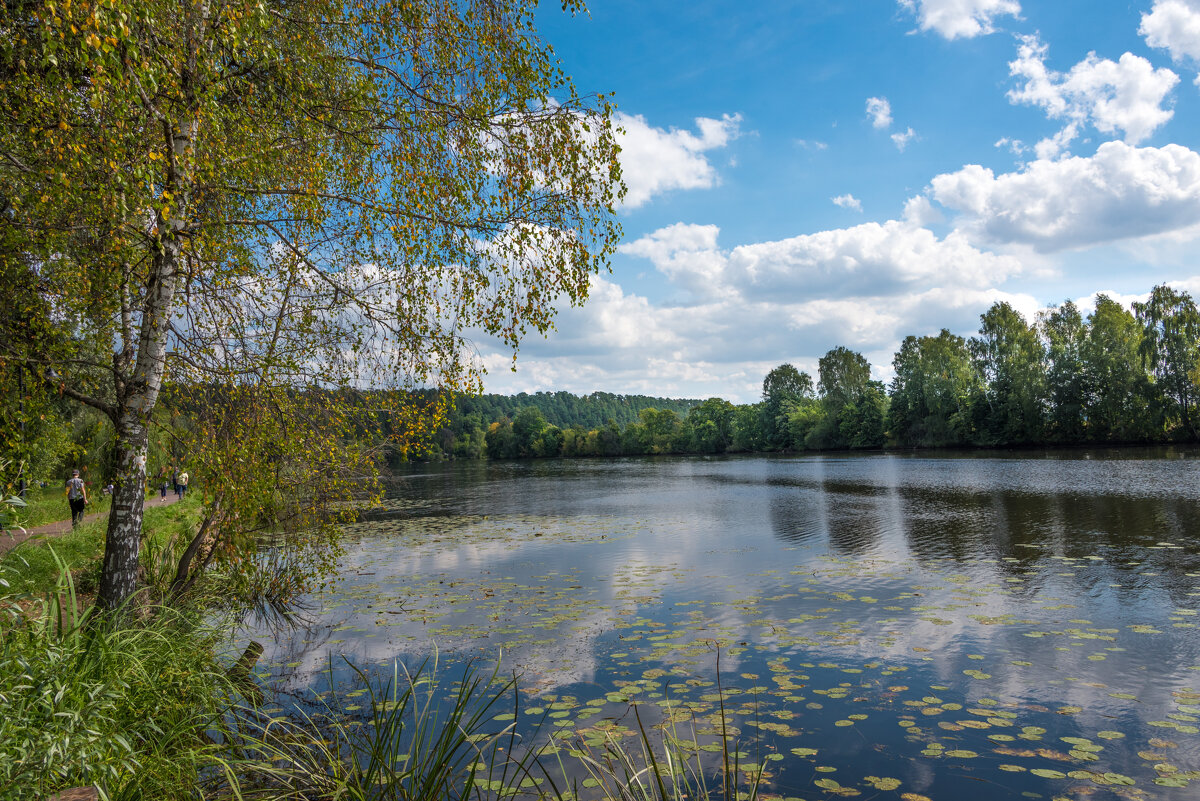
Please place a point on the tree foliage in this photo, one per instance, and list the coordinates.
(1065, 336)
(273, 198)
(844, 376)
(1170, 348)
(783, 387)
(1109, 377)
(1009, 359)
(932, 389)
(1119, 398)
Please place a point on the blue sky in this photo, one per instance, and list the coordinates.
(804, 175)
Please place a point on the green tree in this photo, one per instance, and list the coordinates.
(549, 442)
(931, 390)
(806, 424)
(471, 444)
(861, 422)
(501, 443)
(747, 429)
(844, 376)
(575, 442)
(1118, 395)
(1066, 382)
(271, 463)
(783, 385)
(290, 196)
(636, 439)
(712, 426)
(607, 441)
(661, 428)
(527, 428)
(1009, 360)
(1170, 348)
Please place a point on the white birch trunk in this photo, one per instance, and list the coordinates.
(122, 543)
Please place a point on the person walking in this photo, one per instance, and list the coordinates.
(76, 492)
(183, 482)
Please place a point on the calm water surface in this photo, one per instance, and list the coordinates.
(988, 626)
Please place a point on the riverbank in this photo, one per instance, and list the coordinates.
(45, 505)
(158, 708)
(1034, 451)
(30, 562)
(60, 526)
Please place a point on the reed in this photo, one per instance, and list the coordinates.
(415, 744)
(411, 744)
(123, 709)
(654, 767)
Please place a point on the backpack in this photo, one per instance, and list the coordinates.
(75, 489)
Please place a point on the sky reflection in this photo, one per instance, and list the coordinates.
(1059, 591)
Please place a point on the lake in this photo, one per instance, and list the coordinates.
(987, 625)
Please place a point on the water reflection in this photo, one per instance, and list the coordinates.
(1057, 591)
(795, 518)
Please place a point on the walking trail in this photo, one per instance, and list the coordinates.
(11, 540)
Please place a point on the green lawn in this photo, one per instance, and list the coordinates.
(31, 567)
(49, 505)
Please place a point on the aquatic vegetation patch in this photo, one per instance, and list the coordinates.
(838, 673)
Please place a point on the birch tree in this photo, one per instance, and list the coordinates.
(1170, 350)
(302, 195)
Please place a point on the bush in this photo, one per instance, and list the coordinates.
(124, 709)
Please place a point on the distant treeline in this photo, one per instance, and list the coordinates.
(538, 417)
(1113, 376)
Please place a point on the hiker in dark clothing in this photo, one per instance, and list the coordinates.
(77, 497)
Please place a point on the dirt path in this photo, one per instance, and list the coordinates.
(60, 527)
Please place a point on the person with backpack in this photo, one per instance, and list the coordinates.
(76, 497)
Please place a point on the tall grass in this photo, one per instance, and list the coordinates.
(415, 744)
(122, 709)
(656, 768)
(147, 710)
(409, 745)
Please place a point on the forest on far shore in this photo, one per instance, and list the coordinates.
(1114, 376)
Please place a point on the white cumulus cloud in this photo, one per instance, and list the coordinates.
(1173, 25)
(848, 201)
(724, 346)
(894, 256)
(902, 138)
(873, 258)
(751, 307)
(880, 112)
(654, 160)
(960, 18)
(1122, 192)
(919, 211)
(685, 253)
(1124, 96)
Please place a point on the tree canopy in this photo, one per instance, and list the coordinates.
(1062, 378)
(283, 197)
